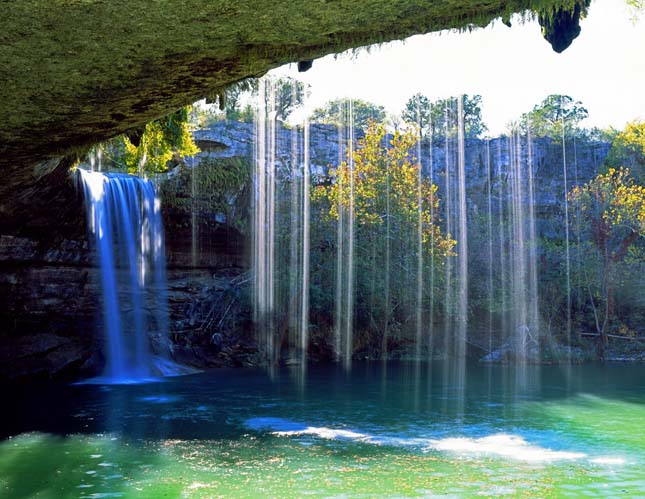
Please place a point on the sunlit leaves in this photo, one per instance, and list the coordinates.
(384, 181)
(160, 141)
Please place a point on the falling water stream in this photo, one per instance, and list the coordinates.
(281, 257)
(124, 220)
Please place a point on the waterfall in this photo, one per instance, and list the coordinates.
(349, 326)
(298, 268)
(419, 300)
(489, 206)
(448, 289)
(281, 231)
(462, 235)
(501, 181)
(524, 321)
(340, 231)
(432, 250)
(194, 227)
(124, 219)
(345, 242)
(566, 233)
(264, 220)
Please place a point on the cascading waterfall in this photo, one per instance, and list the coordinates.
(124, 218)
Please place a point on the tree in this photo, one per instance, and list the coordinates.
(612, 209)
(282, 96)
(628, 146)
(418, 110)
(150, 148)
(337, 111)
(233, 106)
(391, 208)
(553, 116)
(439, 118)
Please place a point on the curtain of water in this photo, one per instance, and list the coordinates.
(519, 322)
(124, 218)
(340, 240)
(194, 229)
(386, 266)
(432, 248)
(576, 216)
(566, 232)
(462, 235)
(501, 193)
(281, 232)
(524, 319)
(533, 296)
(489, 206)
(349, 325)
(264, 220)
(419, 300)
(448, 289)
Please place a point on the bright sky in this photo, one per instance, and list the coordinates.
(512, 68)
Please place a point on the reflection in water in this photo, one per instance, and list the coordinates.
(407, 431)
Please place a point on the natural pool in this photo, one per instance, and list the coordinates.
(404, 430)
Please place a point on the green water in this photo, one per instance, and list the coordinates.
(401, 431)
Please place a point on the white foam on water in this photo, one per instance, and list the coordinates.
(501, 445)
(504, 445)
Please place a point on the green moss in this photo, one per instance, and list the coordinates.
(220, 188)
(76, 72)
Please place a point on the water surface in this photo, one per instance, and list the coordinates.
(405, 430)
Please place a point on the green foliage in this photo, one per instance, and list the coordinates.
(609, 203)
(234, 108)
(335, 113)
(553, 116)
(611, 212)
(289, 95)
(436, 119)
(628, 148)
(161, 141)
(395, 209)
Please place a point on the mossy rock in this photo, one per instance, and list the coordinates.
(75, 72)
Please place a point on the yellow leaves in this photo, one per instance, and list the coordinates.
(381, 182)
(633, 137)
(159, 142)
(613, 197)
